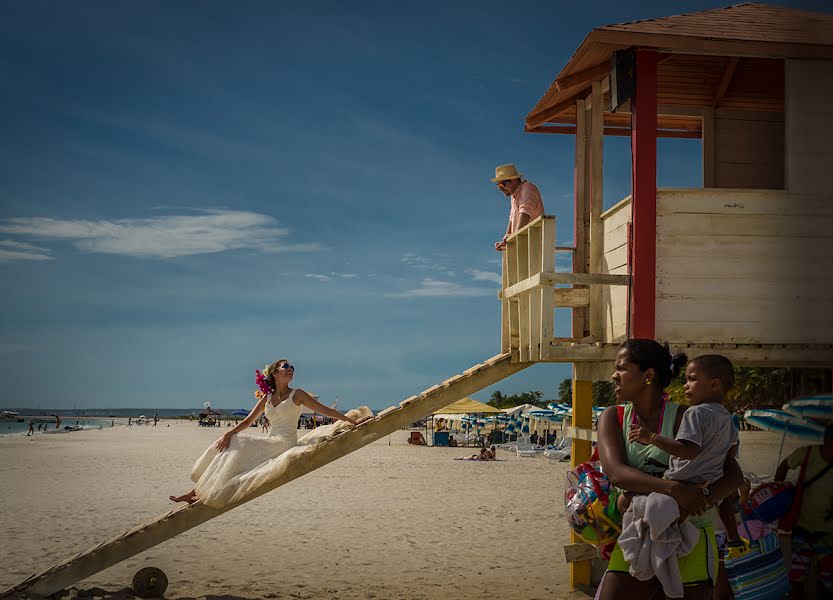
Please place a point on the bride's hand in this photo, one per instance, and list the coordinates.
(362, 420)
(224, 442)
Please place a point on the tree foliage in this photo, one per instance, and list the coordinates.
(534, 397)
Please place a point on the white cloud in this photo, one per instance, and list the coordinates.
(479, 275)
(432, 288)
(423, 262)
(164, 237)
(317, 276)
(11, 250)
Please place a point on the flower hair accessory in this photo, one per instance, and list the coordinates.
(264, 382)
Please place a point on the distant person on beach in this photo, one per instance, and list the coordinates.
(525, 199)
(218, 471)
(155, 419)
(643, 370)
(130, 421)
(31, 428)
(812, 537)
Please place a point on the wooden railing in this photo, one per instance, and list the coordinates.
(529, 298)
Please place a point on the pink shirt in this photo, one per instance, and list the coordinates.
(525, 201)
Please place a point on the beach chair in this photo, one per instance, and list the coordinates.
(561, 451)
(526, 449)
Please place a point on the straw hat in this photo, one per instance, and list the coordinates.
(505, 172)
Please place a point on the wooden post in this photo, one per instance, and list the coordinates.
(504, 304)
(582, 417)
(708, 148)
(596, 325)
(547, 292)
(644, 151)
(580, 202)
(534, 251)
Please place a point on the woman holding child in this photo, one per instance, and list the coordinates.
(634, 452)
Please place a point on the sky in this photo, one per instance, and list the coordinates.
(191, 190)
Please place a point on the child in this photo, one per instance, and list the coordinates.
(706, 432)
(812, 537)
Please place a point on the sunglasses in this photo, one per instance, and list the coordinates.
(286, 366)
(502, 183)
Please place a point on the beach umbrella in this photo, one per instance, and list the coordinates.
(240, 413)
(525, 426)
(819, 407)
(787, 424)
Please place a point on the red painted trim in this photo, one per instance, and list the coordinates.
(644, 182)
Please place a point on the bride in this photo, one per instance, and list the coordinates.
(236, 461)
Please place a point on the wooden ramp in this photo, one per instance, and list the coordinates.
(182, 519)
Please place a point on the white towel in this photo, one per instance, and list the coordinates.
(651, 541)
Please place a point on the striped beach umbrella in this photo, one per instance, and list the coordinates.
(818, 408)
(786, 424)
(525, 426)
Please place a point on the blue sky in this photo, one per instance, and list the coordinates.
(189, 190)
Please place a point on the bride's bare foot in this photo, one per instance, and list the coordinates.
(189, 497)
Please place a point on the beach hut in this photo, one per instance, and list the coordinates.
(738, 265)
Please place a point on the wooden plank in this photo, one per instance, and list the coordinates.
(733, 332)
(580, 208)
(584, 279)
(535, 265)
(735, 201)
(580, 551)
(804, 314)
(809, 126)
(766, 355)
(744, 289)
(725, 80)
(787, 273)
(621, 205)
(547, 293)
(740, 225)
(708, 148)
(577, 352)
(583, 433)
(504, 305)
(596, 230)
(582, 417)
(618, 257)
(570, 297)
(591, 74)
(523, 299)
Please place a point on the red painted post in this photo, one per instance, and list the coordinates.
(644, 194)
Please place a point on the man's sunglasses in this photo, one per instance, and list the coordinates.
(502, 183)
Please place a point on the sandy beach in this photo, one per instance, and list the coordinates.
(389, 521)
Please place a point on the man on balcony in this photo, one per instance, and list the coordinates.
(526, 203)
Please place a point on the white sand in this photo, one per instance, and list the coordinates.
(389, 521)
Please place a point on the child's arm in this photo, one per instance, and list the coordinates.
(679, 448)
(726, 510)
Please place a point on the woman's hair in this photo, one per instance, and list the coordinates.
(265, 380)
(650, 354)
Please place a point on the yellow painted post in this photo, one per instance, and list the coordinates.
(582, 417)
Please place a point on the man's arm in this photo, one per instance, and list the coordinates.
(524, 220)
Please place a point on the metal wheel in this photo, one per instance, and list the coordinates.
(150, 582)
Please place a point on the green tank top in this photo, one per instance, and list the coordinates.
(646, 457)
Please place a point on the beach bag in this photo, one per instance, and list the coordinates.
(590, 504)
(756, 568)
(770, 501)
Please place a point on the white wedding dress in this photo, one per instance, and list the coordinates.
(252, 460)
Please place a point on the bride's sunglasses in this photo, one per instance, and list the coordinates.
(286, 366)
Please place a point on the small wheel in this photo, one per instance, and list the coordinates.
(150, 582)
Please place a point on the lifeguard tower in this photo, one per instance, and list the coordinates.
(741, 266)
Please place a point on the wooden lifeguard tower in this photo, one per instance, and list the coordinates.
(742, 266)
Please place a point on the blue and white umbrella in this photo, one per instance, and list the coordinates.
(525, 427)
(787, 424)
(819, 407)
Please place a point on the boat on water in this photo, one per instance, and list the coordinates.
(8, 415)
